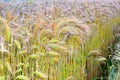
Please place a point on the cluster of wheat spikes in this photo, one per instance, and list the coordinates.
(53, 49)
(38, 52)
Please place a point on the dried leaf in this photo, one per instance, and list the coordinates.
(9, 68)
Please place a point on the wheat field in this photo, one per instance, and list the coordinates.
(56, 40)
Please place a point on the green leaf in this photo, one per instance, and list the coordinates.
(2, 78)
(21, 52)
(17, 44)
(40, 75)
(54, 60)
(34, 47)
(21, 77)
(54, 41)
(53, 54)
(20, 65)
(19, 70)
(33, 56)
(42, 54)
